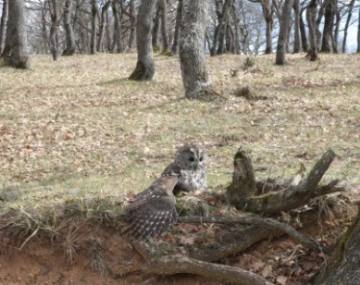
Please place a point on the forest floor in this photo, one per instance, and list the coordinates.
(76, 137)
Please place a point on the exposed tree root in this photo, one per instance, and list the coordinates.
(175, 264)
(143, 71)
(267, 222)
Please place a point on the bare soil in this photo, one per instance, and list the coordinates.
(42, 261)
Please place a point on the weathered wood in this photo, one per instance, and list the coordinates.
(243, 183)
(175, 264)
(293, 196)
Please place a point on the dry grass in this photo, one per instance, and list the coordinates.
(78, 129)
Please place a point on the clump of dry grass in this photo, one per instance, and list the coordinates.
(97, 259)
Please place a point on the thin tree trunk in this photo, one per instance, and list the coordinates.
(116, 46)
(311, 17)
(53, 8)
(103, 24)
(3, 22)
(175, 45)
(108, 31)
(335, 35)
(132, 16)
(358, 33)
(94, 13)
(145, 67)
(69, 32)
(297, 26)
(304, 42)
(284, 31)
(328, 26)
(230, 44)
(268, 13)
(156, 29)
(318, 22)
(220, 32)
(236, 25)
(164, 24)
(196, 81)
(15, 53)
(351, 5)
(217, 32)
(44, 27)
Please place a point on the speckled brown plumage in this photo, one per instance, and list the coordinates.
(152, 211)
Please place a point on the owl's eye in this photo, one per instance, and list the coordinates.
(201, 159)
(191, 159)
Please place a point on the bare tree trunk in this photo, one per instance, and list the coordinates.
(297, 26)
(358, 34)
(328, 26)
(220, 31)
(3, 22)
(304, 42)
(268, 13)
(145, 67)
(318, 22)
(15, 53)
(284, 31)
(175, 45)
(116, 46)
(219, 6)
(164, 24)
(196, 81)
(93, 29)
(108, 31)
(94, 13)
(69, 32)
(156, 29)
(236, 24)
(351, 5)
(230, 43)
(103, 24)
(132, 16)
(44, 27)
(311, 17)
(53, 8)
(335, 35)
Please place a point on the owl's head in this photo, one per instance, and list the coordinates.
(191, 156)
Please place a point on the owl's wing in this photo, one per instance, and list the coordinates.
(150, 214)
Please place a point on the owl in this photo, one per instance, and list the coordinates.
(152, 211)
(191, 159)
